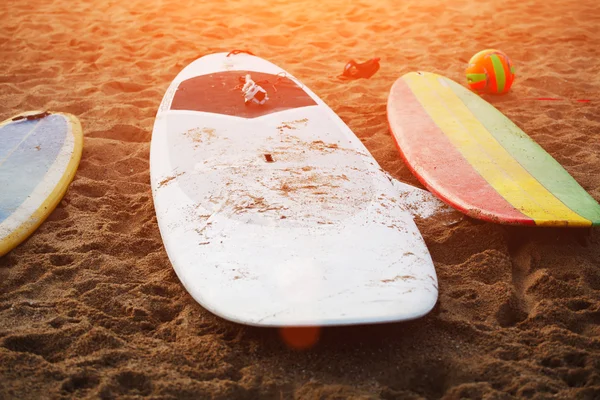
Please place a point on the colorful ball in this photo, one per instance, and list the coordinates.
(490, 71)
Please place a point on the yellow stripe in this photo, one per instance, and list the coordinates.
(487, 156)
(40, 215)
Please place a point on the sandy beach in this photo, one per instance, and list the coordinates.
(90, 306)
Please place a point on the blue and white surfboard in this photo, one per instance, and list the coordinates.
(39, 154)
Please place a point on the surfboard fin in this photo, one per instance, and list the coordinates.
(354, 70)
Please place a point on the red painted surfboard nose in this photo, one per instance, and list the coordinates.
(220, 93)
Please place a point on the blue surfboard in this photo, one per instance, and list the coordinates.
(39, 154)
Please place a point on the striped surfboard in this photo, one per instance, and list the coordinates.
(478, 161)
(39, 155)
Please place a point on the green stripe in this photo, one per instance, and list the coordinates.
(530, 155)
(474, 78)
(499, 71)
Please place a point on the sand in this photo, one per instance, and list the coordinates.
(91, 308)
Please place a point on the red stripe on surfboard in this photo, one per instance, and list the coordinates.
(433, 158)
(221, 93)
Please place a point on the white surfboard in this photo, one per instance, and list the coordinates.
(39, 155)
(422, 203)
(276, 214)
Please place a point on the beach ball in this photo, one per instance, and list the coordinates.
(490, 71)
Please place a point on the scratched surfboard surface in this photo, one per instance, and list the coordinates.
(277, 215)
